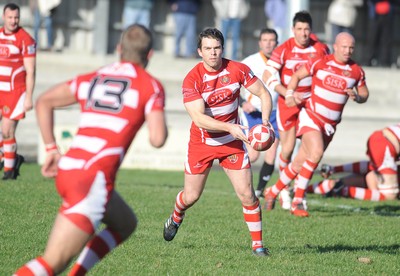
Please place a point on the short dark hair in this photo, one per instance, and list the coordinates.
(136, 43)
(268, 31)
(304, 17)
(210, 33)
(11, 6)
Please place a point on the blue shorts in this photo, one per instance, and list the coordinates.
(254, 118)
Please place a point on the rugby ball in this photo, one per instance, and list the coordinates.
(261, 137)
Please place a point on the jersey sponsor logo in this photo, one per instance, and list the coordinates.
(225, 80)
(220, 96)
(331, 81)
(233, 158)
(4, 51)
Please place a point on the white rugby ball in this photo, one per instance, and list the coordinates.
(261, 137)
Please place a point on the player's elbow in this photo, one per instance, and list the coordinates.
(157, 140)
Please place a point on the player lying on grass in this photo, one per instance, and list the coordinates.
(376, 179)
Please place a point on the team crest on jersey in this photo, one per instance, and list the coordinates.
(4, 51)
(225, 80)
(312, 55)
(346, 73)
(233, 158)
(6, 109)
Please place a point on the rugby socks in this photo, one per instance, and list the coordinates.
(1, 146)
(286, 176)
(322, 187)
(10, 154)
(356, 167)
(282, 162)
(180, 208)
(95, 250)
(362, 194)
(34, 267)
(265, 175)
(304, 177)
(252, 217)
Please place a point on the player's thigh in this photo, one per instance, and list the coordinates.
(270, 154)
(194, 186)
(66, 241)
(119, 216)
(242, 184)
(313, 143)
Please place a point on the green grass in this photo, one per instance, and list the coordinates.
(213, 240)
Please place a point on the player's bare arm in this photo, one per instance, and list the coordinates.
(30, 68)
(57, 96)
(196, 110)
(292, 97)
(259, 90)
(158, 131)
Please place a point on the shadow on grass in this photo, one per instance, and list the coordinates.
(387, 210)
(393, 249)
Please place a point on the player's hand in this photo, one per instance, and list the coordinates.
(236, 131)
(28, 105)
(248, 107)
(50, 166)
(298, 97)
(352, 94)
(290, 101)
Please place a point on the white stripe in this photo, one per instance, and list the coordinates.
(5, 70)
(222, 110)
(307, 50)
(360, 193)
(5, 86)
(330, 96)
(302, 182)
(219, 140)
(330, 114)
(306, 82)
(251, 212)
(93, 205)
(87, 254)
(375, 195)
(68, 163)
(37, 268)
(109, 122)
(109, 239)
(254, 226)
(396, 130)
(107, 152)
(88, 143)
(19, 107)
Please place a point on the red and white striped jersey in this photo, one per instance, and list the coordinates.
(220, 92)
(395, 129)
(114, 101)
(14, 48)
(330, 79)
(288, 57)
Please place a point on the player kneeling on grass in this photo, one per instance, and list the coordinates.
(376, 179)
(211, 97)
(112, 114)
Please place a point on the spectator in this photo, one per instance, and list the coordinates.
(231, 13)
(276, 13)
(185, 16)
(43, 10)
(380, 31)
(342, 16)
(137, 12)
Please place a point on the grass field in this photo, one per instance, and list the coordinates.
(213, 240)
